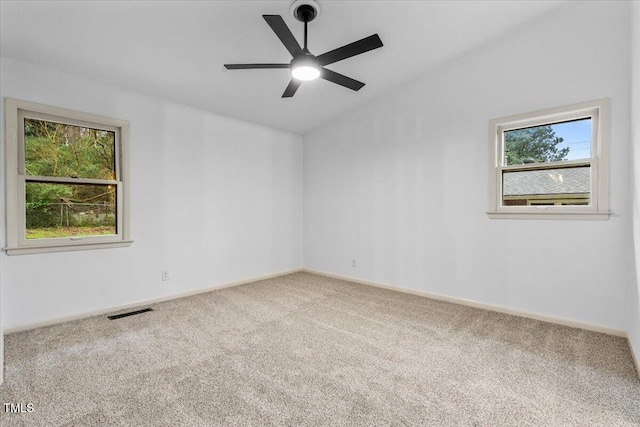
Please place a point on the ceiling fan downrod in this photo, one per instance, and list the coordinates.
(305, 13)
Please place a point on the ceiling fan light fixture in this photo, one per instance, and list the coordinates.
(305, 68)
(305, 73)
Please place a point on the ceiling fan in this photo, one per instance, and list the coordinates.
(305, 66)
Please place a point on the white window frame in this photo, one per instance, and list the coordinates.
(598, 209)
(17, 243)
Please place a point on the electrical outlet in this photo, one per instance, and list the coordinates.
(353, 263)
(165, 275)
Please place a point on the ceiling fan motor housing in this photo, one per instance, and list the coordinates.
(305, 11)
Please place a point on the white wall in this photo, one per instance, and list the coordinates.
(401, 185)
(634, 292)
(2, 209)
(213, 200)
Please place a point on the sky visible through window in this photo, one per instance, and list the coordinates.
(577, 136)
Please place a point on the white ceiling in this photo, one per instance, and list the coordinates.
(175, 49)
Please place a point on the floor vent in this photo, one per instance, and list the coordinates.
(131, 313)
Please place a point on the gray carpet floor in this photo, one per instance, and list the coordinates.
(309, 350)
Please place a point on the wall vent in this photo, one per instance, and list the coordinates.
(130, 313)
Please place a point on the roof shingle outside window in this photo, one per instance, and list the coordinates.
(547, 181)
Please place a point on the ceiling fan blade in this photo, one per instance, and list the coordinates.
(254, 66)
(352, 49)
(279, 27)
(341, 79)
(292, 88)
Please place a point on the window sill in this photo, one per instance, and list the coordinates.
(598, 216)
(25, 250)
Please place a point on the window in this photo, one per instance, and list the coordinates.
(67, 186)
(551, 164)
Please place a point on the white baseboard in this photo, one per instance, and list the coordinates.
(476, 304)
(87, 314)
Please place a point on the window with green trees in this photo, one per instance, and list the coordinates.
(69, 190)
(62, 209)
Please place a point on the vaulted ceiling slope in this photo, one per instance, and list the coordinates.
(175, 50)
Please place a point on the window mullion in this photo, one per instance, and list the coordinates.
(62, 180)
(547, 165)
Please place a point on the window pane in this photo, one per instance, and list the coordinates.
(548, 143)
(544, 187)
(64, 210)
(56, 149)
